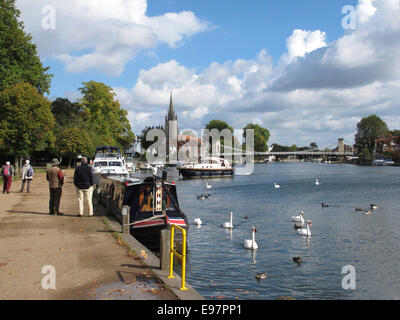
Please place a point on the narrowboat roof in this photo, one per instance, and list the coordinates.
(127, 181)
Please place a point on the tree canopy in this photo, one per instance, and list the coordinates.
(368, 130)
(219, 125)
(106, 120)
(19, 61)
(27, 123)
(261, 136)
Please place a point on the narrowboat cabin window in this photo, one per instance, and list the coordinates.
(146, 198)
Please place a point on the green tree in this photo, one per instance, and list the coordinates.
(261, 136)
(365, 155)
(368, 130)
(74, 141)
(65, 111)
(27, 122)
(107, 121)
(219, 125)
(313, 145)
(19, 61)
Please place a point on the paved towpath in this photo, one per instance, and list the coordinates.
(89, 263)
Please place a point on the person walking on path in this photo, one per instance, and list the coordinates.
(26, 176)
(7, 172)
(55, 178)
(83, 181)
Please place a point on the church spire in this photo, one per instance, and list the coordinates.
(171, 112)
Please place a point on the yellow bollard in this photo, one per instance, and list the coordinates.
(180, 256)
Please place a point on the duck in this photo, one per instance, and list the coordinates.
(229, 225)
(305, 231)
(297, 260)
(204, 196)
(373, 206)
(198, 222)
(368, 212)
(299, 218)
(208, 186)
(261, 276)
(324, 205)
(316, 182)
(360, 209)
(277, 186)
(251, 244)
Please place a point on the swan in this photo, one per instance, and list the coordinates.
(299, 218)
(198, 222)
(251, 244)
(277, 186)
(316, 182)
(229, 225)
(305, 231)
(373, 206)
(208, 186)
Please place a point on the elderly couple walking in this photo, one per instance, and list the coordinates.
(83, 181)
(26, 176)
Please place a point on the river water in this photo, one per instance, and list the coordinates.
(219, 267)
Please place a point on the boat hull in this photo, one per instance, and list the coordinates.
(206, 173)
(148, 233)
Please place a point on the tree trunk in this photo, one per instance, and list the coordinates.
(69, 162)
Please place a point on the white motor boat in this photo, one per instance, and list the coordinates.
(108, 161)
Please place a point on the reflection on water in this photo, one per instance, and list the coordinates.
(219, 266)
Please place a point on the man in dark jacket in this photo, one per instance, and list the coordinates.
(83, 181)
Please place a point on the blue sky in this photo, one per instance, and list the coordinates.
(287, 65)
(240, 30)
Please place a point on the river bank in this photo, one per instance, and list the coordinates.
(88, 262)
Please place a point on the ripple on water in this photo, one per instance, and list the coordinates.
(219, 266)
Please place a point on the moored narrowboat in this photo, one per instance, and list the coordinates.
(153, 205)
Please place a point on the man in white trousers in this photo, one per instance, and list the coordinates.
(83, 181)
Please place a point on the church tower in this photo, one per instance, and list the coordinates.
(171, 132)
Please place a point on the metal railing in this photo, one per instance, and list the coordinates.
(181, 256)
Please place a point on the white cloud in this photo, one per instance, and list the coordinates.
(317, 92)
(104, 35)
(302, 42)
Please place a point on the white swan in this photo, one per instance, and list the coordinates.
(277, 186)
(228, 225)
(251, 244)
(305, 231)
(299, 218)
(208, 186)
(198, 222)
